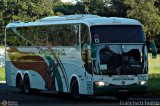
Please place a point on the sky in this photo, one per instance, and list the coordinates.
(73, 1)
(68, 0)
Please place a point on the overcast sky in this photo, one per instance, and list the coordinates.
(73, 1)
(68, 0)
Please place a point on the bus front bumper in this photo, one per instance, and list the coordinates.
(115, 89)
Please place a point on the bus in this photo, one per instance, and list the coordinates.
(78, 54)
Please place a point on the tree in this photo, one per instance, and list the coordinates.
(2, 7)
(30, 10)
(157, 3)
(146, 12)
(99, 7)
(118, 8)
(69, 8)
(23, 10)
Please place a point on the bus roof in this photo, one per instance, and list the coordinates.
(87, 19)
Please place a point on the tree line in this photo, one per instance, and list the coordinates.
(146, 11)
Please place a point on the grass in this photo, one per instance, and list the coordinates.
(154, 64)
(153, 87)
(153, 84)
(2, 74)
(2, 46)
(154, 76)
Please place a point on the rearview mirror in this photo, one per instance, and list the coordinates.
(153, 48)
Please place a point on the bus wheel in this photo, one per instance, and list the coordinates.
(26, 84)
(19, 82)
(75, 90)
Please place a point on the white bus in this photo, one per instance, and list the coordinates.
(78, 54)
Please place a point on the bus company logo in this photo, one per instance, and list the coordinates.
(122, 78)
(58, 52)
(123, 82)
(4, 102)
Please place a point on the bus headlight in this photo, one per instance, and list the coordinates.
(101, 83)
(143, 82)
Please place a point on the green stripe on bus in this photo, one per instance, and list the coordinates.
(56, 74)
(59, 81)
(64, 71)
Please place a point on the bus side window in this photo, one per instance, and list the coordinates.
(12, 39)
(85, 49)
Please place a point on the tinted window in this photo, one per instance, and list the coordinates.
(12, 39)
(55, 35)
(117, 34)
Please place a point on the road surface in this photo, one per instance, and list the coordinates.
(13, 97)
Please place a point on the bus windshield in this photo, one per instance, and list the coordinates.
(117, 34)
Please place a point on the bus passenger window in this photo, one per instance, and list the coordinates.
(49, 42)
(38, 42)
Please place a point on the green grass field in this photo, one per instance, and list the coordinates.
(153, 87)
(154, 64)
(2, 74)
(154, 76)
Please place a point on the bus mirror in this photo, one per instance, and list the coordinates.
(153, 48)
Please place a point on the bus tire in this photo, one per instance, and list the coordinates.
(19, 82)
(75, 90)
(26, 84)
